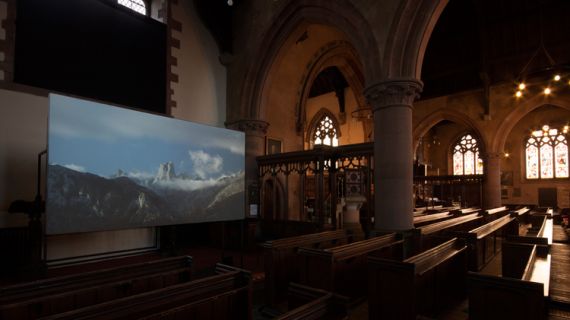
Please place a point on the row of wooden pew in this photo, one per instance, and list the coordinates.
(161, 289)
(447, 253)
(521, 291)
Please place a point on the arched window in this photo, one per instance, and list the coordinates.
(325, 132)
(136, 5)
(547, 154)
(466, 158)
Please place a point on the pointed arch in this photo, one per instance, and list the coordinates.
(340, 54)
(458, 117)
(340, 14)
(521, 110)
(408, 37)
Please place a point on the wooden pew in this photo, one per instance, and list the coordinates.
(226, 295)
(59, 294)
(280, 259)
(420, 285)
(540, 232)
(310, 303)
(522, 292)
(430, 218)
(426, 219)
(433, 234)
(495, 213)
(520, 212)
(466, 211)
(342, 269)
(484, 242)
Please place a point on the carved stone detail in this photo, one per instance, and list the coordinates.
(395, 92)
(249, 126)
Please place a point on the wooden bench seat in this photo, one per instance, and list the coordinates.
(310, 303)
(430, 218)
(520, 212)
(433, 234)
(540, 231)
(466, 211)
(226, 295)
(423, 284)
(484, 242)
(59, 294)
(280, 258)
(494, 213)
(342, 269)
(521, 293)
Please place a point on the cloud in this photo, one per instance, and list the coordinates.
(140, 175)
(75, 167)
(188, 184)
(81, 119)
(205, 164)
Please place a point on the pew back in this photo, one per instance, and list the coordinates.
(423, 284)
(434, 234)
(56, 295)
(223, 296)
(310, 303)
(484, 242)
(342, 269)
(280, 258)
(521, 293)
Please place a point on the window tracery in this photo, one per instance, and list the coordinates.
(135, 5)
(546, 154)
(466, 158)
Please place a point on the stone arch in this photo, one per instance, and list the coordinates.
(340, 54)
(408, 37)
(340, 14)
(521, 110)
(317, 118)
(458, 117)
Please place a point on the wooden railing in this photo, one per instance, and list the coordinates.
(320, 175)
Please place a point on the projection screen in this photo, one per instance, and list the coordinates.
(115, 168)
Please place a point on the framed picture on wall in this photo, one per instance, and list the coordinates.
(273, 146)
(507, 178)
(504, 193)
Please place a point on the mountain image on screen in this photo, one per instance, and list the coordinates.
(112, 168)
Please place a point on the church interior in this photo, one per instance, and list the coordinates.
(340, 159)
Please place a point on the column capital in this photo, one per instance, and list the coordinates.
(393, 92)
(249, 126)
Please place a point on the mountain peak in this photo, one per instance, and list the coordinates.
(165, 172)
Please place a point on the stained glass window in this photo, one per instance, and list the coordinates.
(325, 132)
(466, 158)
(547, 154)
(136, 5)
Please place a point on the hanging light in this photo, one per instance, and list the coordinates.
(547, 91)
(535, 72)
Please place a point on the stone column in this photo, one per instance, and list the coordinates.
(255, 131)
(492, 183)
(393, 155)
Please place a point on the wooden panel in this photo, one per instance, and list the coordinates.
(420, 285)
